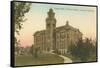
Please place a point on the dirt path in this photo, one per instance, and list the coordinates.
(66, 59)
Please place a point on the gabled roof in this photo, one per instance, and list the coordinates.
(66, 28)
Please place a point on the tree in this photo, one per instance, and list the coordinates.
(71, 48)
(31, 50)
(19, 11)
(36, 53)
(82, 50)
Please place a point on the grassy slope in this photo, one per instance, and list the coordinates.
(41, 59)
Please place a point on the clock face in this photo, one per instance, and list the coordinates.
(49, 20)
(52, 21)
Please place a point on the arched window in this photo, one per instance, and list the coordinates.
(48, 25)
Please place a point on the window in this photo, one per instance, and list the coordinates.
(48, 25)
(62, 35)
(53, 25)
(67, 35)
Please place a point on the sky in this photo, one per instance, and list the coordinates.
(81, 17)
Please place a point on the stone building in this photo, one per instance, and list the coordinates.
(53, 37)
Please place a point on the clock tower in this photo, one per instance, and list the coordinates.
(50, 27)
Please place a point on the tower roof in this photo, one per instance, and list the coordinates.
(51, 10)
(51, 13)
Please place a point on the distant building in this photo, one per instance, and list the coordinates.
(56, 37)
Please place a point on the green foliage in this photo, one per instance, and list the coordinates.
(31, 50)
(20, 9)
(83, 50)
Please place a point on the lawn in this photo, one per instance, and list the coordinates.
(41, 59)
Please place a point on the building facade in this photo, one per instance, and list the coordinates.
(53, 37)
